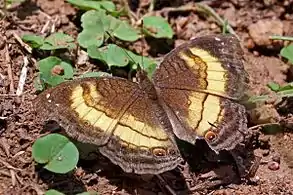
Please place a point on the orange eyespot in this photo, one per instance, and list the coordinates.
(210, 136)
(159, 152)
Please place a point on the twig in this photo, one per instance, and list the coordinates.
(22, 44)
(166, 185)
(13, 178)
(8, 95)
(184, 8)
(152, 5)
(5, 146)
(9, 69)
(132, 16)
(4, 173)
(45, 27)
(7, 165)
(53, 28)
(27, 49)
(22, 76)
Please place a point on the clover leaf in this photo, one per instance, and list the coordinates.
(111, 54)
(157, 27)
(95, 74)
(34, 41)
(53, 192)
(54, 71)
(58, 41)
(287, 52)
(97, 5)
(97, 26)
(91, 36)
(57, 152)
(54, 41)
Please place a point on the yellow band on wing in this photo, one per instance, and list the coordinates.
(212, 74)
(128, 129)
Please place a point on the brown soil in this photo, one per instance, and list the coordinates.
(253, 21)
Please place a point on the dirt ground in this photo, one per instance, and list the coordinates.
(253, 21)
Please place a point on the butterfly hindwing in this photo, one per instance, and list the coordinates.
(200, 83)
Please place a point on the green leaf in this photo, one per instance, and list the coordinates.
(287, 52)
(95, 74)
(93, 18)
(125, 32)
(91, 36)
(53, 192)
(286, 87)
(108, 5)
(58, 41)
(56, 151)
(88, 193)
(97, 5)
(85, 5)
(284, 38)
(273, 86)
(97, 25)
(285, 93)
(260, 98)
(157, 27)
(34, 41)
(46, 68)
(272, 129)
(111, 54)
(148, 64)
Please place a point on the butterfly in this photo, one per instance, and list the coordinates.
(193, 94)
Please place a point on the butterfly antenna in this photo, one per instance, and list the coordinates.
(142, 44)
(113, 40)
(129, 57)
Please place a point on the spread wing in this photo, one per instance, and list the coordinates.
(200, 83)
(116, 115)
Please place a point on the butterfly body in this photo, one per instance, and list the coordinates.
(193, 95)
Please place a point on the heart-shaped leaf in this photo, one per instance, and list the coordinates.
(57, 152)
(54, 71)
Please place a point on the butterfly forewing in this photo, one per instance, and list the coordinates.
(116, 115)
(200, 83)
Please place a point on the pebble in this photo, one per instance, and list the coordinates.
(261, 31)
(274, 166)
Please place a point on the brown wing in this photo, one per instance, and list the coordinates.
(114, 114)
(200, 83)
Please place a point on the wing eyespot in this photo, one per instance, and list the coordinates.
(159, 152)
(210, 136)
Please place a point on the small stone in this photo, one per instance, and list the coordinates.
(261, 31)
(274, 166)
(213, 26)
(256, 53)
